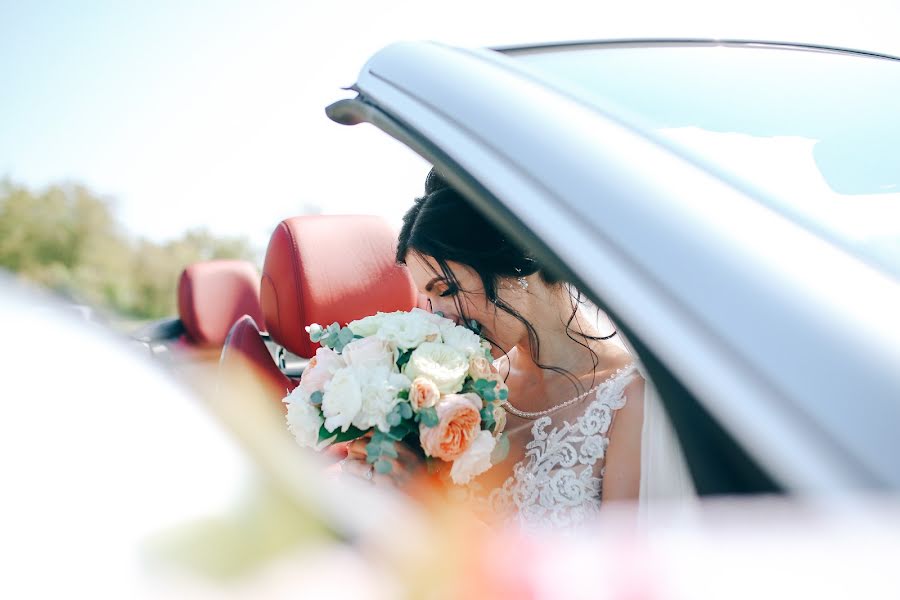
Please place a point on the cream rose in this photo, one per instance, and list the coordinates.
(447, 367)
(459, 421)
(342, 400)
(303, 419)
(423, 393)
(369, 352)
(475, 460)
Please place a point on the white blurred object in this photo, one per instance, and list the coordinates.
(98, 450)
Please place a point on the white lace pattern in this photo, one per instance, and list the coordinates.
(559, 480)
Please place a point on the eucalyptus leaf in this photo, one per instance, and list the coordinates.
(315, 332)
(405, 410)
(487, 417)
(316, 397)
(428, 417)
(383, 466)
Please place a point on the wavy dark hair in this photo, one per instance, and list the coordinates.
(443, 225)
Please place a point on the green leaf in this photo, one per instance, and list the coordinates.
(316, 397)
(501, 449)
(429, 417)
(403, 394)
(404, 358)
(340, 436)
(503, 394)
(383, 466)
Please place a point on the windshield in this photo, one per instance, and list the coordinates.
(817, 132)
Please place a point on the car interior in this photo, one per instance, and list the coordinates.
(337, 268)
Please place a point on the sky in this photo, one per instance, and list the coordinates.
(200, 113)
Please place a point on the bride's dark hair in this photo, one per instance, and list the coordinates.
(445, 226)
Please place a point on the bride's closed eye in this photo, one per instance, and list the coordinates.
(450, 291)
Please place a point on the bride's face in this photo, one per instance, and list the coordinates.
(469, 295)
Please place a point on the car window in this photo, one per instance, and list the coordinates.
(815, 132)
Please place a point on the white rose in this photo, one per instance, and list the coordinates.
(378, 388)
(369, 352)
(367, 326)
(304, 420)
(408, 330)
(342, 400)
(446, 366)
(475, 460)
(462, 339)
(431, 317)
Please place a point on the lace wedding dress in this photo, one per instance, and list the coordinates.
(556, 478)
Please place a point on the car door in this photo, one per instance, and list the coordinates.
(641, 229)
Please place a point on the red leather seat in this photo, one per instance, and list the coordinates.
(327, 268)
(318, 269)
(246, 352)
(212, 296)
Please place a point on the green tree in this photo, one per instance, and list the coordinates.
(67, 239)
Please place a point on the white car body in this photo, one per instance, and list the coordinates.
(795, 354)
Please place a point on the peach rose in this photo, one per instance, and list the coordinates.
(320, 370)
(458, 423)
(423, 393)
(499, 419)
(480, 368)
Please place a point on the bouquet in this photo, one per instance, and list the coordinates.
(413, 377)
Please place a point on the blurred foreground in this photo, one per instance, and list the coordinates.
(121, 481)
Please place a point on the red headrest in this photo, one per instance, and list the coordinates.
(327, 268)
(213, 294)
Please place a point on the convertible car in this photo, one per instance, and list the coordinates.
(734, 206)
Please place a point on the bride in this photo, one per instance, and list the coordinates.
(575, 410)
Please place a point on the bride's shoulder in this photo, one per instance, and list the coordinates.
(616, 361)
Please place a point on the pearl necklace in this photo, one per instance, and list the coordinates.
(534, 415)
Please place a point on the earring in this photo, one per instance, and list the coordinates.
(523, 283)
